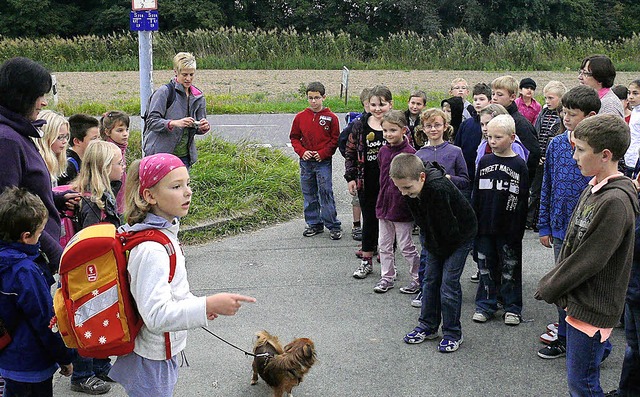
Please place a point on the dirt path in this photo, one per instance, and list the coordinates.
(79, 87)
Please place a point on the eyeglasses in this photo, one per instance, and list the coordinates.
(582, 72)
(437, 126)
(63, 138)
(314, 98)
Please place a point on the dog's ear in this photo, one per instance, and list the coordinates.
(308, 351)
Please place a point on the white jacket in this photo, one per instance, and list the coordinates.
(164, 306)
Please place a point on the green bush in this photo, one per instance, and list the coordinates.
(233, 48)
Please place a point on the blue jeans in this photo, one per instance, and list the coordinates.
(84, 368)
(14, 388)
(584, 355)
(423, 258)
(629, 385)
(317, 191)
(562, 323)
(441, 292)
(500, 266)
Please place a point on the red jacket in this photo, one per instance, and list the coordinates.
(317, 132)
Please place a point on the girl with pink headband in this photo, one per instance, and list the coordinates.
(157, 195)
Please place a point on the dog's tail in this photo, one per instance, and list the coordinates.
(263, 338)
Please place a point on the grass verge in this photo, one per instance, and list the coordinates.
(256, 103)
(236, 187)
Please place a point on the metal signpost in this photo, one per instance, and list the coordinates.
(345, 84)
(144, 20)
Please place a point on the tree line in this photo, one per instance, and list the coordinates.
(368, 19)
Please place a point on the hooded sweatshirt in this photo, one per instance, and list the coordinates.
(443, 213)
(592, 273)
(163, 306)
(26, 307)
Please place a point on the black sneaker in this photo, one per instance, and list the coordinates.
(555, 349)
(312, 230)
(335, 234)
(92, 385)
(475, 278)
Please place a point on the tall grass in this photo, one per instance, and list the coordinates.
(245, 186)
(232, 48)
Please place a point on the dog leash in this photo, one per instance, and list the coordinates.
(246, 353)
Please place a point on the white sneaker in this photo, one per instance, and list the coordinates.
(553, 327)
(479, 317)
(511, 318)
(549, 337)
(417, 301)
(365, 269)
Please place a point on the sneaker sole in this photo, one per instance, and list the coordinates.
(311, 235)
(549, 357)
(381, 290)
(409, 291)
(80, 389)
(415, 304)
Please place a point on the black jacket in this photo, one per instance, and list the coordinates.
(444, 215)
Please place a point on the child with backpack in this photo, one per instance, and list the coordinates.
(98, 182)
(114, 127)
(157, 195)
(31, 353)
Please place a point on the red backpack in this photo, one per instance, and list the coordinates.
(95, 311)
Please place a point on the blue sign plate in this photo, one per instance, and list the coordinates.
(143, 20)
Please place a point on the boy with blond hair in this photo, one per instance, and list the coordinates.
(504, 90)
(547, 126)
(460, 88)
(499, 198)
(592, 274)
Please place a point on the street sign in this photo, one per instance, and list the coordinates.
(144, 5)
(143, 20)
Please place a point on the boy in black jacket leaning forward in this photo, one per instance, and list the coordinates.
(449, 225)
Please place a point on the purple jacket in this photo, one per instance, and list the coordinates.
(450, 157)
(23, 166)
(390, 205)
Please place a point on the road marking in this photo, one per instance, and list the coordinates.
(246, 125)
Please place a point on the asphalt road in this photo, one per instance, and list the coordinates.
(304, 288)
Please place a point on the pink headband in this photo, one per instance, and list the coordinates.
(155, 167)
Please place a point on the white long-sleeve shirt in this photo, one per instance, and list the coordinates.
(164, 306)
(631, 156)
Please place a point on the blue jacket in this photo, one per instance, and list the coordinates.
(562, 185)
(26, 307)
(468, 138)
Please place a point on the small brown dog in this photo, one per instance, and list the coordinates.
(282, 369)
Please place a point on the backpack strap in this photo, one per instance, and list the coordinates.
(132, 239)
